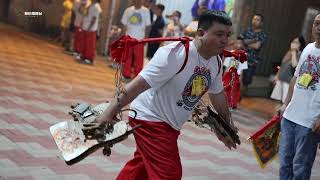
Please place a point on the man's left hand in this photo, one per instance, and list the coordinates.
(316, 127)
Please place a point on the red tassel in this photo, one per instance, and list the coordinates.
(240, 55)
(119, 48)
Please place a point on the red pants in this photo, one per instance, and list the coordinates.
(89, 46)
(135, 61)
(78, 40)
(157, 156)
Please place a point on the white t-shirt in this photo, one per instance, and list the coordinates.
(229, 61)
(78, 16)
(169, 99)
(304, 107)
(93, 11)
(136, 21)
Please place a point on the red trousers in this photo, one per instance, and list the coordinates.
(89, 46)
(135, 61)
(157, 156)
(78, 40)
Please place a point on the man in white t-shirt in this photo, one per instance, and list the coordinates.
(300, 126)
(164, 98)
(90, 24)
(136, 19)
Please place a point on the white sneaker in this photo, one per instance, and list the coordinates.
(87, 61)
(78, 57)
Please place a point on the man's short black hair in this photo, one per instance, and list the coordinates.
(207, 18)
(160, 6)
(260, 15)
(179, 14)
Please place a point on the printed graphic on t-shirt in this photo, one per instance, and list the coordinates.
(310, 66)
(135, 19)
(192, 93)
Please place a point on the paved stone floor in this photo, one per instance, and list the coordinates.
(38, 82)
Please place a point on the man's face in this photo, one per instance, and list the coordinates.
(316, 27)
(157, 11)
(256, 21)
(175, 15)
(215, 39)
(137, 2)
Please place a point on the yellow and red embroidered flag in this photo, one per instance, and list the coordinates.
(265, 141)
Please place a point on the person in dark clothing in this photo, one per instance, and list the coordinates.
(254, 37)
(156, 30)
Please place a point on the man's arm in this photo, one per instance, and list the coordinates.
(147, 31)
(249, 41)
(256, 45)
(289, 95)
(316, 127)
(92, 22)
(253, 43)
(132, 90)
(147, 23)
(219, 102)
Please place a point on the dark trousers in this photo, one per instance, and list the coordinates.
(248, 74)
(152, 48)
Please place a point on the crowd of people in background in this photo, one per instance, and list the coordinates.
(145, 19)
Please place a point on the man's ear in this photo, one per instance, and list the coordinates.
(200, 32)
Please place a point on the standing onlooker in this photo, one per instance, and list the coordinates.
(156, 30)
(253, 39)
(288, 65)
(174, 28)
(135, 19)
(300, 126)
(65, 24)
(80, 9)
(90, 27)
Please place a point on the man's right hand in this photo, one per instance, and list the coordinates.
(282, 109)
(226, 141)
(104, 119)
